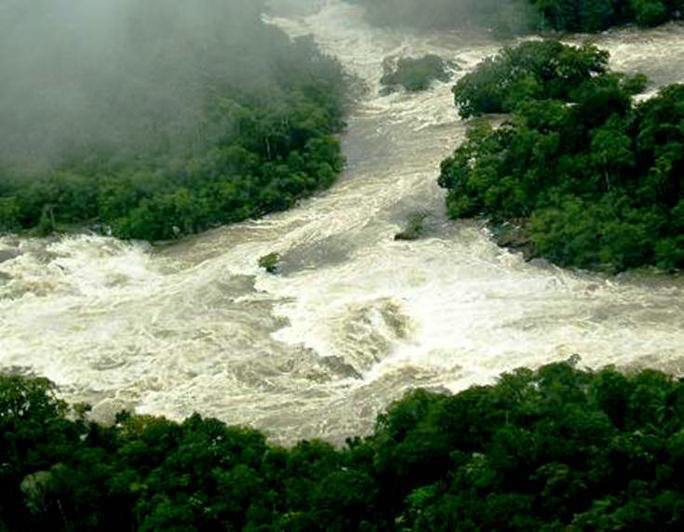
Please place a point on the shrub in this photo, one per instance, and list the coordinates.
(416, 74)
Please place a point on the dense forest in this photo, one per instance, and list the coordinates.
(505, 16)
(155, 133)
(517, 16)
(540, 450)
(595, 180)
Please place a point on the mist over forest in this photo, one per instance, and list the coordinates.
(159, 118)
(125, 74)
(505, 16)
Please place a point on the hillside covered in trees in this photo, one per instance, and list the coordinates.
(540, 450)
(505, 16)
(519, 16)
(596, 180)
(156, 119)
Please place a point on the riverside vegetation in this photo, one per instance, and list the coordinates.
(269, 110)
(551, 449)
(596, 179)
(520, 16)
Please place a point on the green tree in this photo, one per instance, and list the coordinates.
(594, 179)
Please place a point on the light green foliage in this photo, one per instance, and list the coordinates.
(270, 262)
(555, 448)
(598, 177)
(416, 74)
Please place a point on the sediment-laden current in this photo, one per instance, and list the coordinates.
(355, 319)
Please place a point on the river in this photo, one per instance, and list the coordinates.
(355, 319)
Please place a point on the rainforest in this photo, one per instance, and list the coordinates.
(265, 112)
(553, 448)
(341, 265)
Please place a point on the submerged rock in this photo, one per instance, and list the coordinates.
(9, 254)
(515, 236)
(341, 368)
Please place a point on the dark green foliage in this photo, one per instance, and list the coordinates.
(599, 178)
(265, 137)
(9, 213)
(537, 69)
(549, 449)
(512, 16)
(416, 74)
(597, 15)
(649, 12)
(579, 15)
(505, 17)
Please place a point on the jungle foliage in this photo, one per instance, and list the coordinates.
(536, 69)
(597, 15)
(551, 449)
(597, 180)
(263, 134)
(519, 16)
(506, 17)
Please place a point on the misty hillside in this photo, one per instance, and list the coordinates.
(130, 74)
(508, 17)
(105, 92)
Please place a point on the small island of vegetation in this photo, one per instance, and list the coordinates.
(415, 74)
(595, 178)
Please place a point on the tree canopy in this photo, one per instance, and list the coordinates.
(222, 119)
(595, 179)
(505, 16)
(554, 448)
(597, 15)
(536, 69)
(519, 16)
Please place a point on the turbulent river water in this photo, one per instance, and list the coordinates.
(356, 318)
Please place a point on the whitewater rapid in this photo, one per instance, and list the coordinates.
(355, 319)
